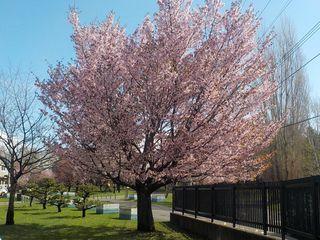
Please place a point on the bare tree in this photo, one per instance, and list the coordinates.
(314, 137)
(23, 131)
(291, 102)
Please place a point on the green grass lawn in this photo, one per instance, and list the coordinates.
(3, 199)
(35, 223)
(167, 202)
(112, 195)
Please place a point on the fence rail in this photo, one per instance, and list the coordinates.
(287, 208)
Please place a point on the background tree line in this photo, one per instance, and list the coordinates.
(296, 149)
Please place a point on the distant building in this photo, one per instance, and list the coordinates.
(4, 179)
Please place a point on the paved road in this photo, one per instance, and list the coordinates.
(160, 213)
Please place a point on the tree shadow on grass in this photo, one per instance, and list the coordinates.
(17, 209)
(64, 232)
(117, 218)
(36, 213)
(63, 217)
(41, 211)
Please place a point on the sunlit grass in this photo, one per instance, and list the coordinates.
(36, 223)
(167, 202)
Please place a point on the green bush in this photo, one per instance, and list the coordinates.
(82, 201)
(57, 198)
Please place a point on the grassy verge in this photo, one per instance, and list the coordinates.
(111, 195)
(35, 223)
(167, 202)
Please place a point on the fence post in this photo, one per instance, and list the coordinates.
(283, 210)
(183, 193)
(315, 206)
(195, 201)
(264, 209)
(212, 203)
(234, 205)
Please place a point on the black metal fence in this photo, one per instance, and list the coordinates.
(287, 208)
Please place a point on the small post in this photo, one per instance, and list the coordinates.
(283, 210)
(183, 193)
(234, 205)
(315, 210)
(264, 209)
(212, 203)
(195, 201)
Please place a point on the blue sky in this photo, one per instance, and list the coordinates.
(36, 33)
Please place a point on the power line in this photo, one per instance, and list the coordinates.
(280, 13)
(307, 36)
(277, 17)
(302, 121)
(312, 59)
(265, 7)
(301, 42)
(296, 46)
(310, 118)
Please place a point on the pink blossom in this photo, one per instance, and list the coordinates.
(184, 96)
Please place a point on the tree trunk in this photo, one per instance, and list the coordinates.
(31, 200)
(167, 190)
(59, 208)
(44, 205)
(145, 217)
(83, 212)
(10, 212)
(69, 188)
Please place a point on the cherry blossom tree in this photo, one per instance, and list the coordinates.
(183, 97)
(70, 173)
(64, 173)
